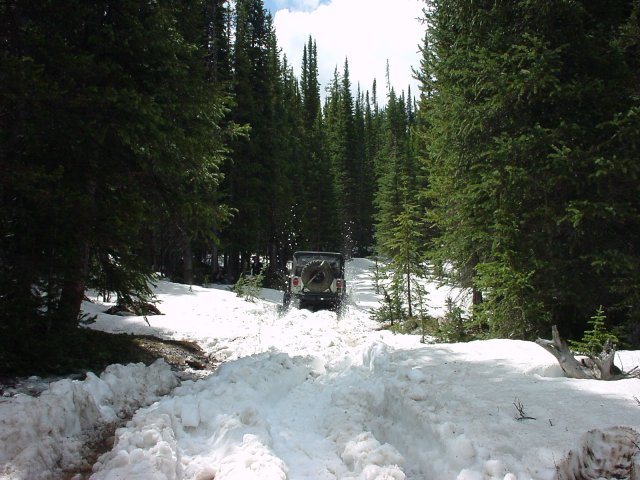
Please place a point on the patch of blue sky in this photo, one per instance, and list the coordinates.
(294, 5)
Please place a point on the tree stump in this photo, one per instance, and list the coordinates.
(598, 368)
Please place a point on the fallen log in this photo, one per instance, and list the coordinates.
(133, 309)
(589, 367)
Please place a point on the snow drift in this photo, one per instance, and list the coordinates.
(305, 395)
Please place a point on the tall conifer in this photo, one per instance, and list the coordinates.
(107, 119)
(535, 203)
(318, 207)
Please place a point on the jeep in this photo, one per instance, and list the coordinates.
(316, 279)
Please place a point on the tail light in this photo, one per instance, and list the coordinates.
(339, 283)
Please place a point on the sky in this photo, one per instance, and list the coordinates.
(308, 395)
(366, 32)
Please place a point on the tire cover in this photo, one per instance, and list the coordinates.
(317, 276)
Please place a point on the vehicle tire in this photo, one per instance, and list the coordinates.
(317, 276)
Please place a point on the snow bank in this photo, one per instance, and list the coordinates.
(210, 428)
(307, 396)
(40, 434)
(381, 411)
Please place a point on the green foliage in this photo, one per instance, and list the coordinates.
(391, 310)
(317, 208)
(110, 275)
(111, 129)
(404, 302)
(249, 286)
(454, 327)
(510, 306)
(526, 121)
(595, 341)
(399, 227)
(257, 178)
(350, 146)
(425, 323)
(396, 172)
(402, 245)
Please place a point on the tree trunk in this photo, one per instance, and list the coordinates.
(233, 270)
(476, 296)
(273, 258)
(72, 292)
(245, 263)
(409, 300)
(587, 368)
(187, 264)
(70, 304)
(215, 266)
(212, 42)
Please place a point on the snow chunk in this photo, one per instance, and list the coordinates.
(365, 451)
(47, 433)
(148, 452)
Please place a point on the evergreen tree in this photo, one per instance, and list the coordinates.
(396, 171)
(286, 221)
(218, 41)
(399, 226)
(341, 144)
(535, 200)
(317, 206)
(286, 135)
(404, 246)
(365, 184)
(595, 341)
(107, 114)
(249, 181)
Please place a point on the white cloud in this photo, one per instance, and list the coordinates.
(294, 5)
(367, 32)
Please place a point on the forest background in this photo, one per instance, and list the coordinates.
(142, 137)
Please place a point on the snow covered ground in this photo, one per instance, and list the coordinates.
(306, 395)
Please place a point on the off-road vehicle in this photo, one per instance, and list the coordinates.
(316, 279)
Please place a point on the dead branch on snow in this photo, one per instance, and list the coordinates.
(589, 367)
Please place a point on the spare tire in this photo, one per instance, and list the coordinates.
(317, 276)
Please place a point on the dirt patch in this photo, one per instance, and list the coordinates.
(180, 354)
(184, 357)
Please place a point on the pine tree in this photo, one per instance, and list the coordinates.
(318, 205)
(595, 341)
(399, 228)
(287, 137)
(248, 177)
(404, 247)
(530, 193)
(112, 120)
(396, 171)
(341, 145)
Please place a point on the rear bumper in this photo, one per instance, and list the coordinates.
(318, 298)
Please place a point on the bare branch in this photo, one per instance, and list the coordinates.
(520, 408)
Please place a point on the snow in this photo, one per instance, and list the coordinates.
(308, 395)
